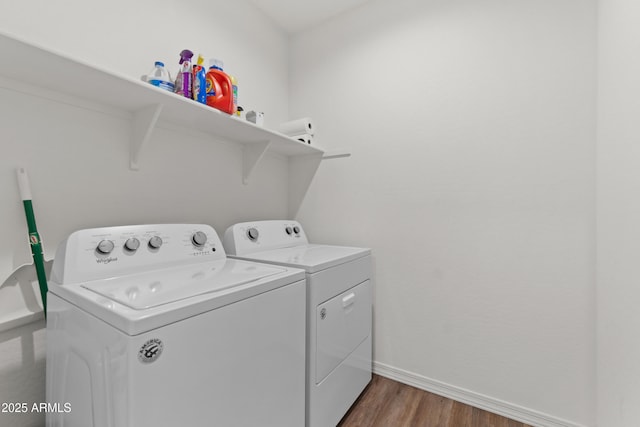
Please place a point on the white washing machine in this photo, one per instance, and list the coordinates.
(153, 325)
(339, 310)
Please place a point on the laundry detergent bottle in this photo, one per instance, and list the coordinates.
(234, 83)
(199, 81)
(219, 88)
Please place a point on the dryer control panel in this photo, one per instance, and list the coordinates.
(101, 253)
(248, 237)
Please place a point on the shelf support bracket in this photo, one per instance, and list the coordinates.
(251, 156)
(335, 154)
(144, 120)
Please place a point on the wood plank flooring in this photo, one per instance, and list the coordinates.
(388, 403)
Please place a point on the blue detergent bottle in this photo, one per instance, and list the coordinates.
(199, 81)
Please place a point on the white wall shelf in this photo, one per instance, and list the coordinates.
(22, 62)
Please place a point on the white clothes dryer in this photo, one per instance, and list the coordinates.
(339, 310)
(152, 325)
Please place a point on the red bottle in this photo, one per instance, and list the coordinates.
(219, 88)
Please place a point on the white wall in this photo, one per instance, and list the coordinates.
(472, 176)
(618, 213)
(77, 156)
(472, 128)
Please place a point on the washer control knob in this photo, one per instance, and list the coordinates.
(253, 234)
(199, 238)
(105, 247)
(155, 242)
(132, 244)
(296, 229)
(288, 230)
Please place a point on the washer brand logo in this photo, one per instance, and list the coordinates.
(150, 351)
(106, 260)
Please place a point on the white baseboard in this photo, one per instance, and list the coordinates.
(497, 406)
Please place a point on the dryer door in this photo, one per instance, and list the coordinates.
(342, 323)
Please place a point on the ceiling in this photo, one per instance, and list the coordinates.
(297, 15)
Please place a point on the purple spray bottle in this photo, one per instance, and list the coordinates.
(184, 82)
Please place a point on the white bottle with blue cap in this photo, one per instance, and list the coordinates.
(160, 77)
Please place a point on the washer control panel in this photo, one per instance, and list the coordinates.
(248, 237)
(100, 253)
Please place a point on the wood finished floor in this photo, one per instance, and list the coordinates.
(388, 403)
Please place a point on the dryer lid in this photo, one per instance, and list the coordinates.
(160, 287)
(310, 257)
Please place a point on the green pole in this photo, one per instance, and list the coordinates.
(34, 237)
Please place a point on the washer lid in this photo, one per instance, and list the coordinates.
(143, 291)
(310, 257)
